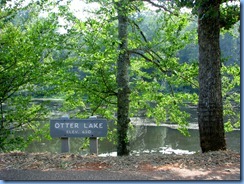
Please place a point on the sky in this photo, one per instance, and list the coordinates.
(79, 6)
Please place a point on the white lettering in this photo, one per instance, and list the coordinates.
(72, 132)
(66, 125)
(90, 126)
(56, 125)
(86, 132)
(93, 125)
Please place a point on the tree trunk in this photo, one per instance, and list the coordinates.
(123, 81)
(210, 107)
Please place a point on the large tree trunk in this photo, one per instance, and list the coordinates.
(210, 107)
(123, 81)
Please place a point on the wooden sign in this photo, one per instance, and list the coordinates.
(78, 127)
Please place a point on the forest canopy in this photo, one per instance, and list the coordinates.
(53, 62)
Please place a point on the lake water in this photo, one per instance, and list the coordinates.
(144, 138)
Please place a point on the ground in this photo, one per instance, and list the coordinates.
(219, 165)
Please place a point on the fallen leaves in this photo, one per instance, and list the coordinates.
(146, 162)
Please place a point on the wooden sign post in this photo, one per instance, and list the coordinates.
(91, 127)
(65, 144)
(93, 141)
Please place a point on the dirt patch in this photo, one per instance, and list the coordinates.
(172, 172)
(149, 167)
(91, 166)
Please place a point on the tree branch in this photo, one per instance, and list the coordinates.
(139, 29)
(157, 63)
(109, 91)
(161, 7)
(150, 60)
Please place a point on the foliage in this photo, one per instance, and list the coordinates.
(231, 95)
(229, 14)
(79, 66)
(26, 63)
(158, 73)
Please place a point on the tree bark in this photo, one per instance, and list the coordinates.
(210, 107)
(123, 81)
